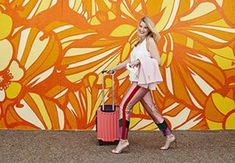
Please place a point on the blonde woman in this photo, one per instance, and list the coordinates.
(143, 66)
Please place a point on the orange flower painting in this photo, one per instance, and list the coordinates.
(52, 53)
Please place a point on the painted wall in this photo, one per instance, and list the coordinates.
(52, 53)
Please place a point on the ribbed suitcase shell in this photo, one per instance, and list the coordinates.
(108, 125)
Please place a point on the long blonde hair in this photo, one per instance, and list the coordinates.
(152, 31)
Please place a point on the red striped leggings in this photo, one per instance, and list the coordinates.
(135, 94)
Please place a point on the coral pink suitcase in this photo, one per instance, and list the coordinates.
(107, 125)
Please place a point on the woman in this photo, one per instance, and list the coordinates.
(143, 65)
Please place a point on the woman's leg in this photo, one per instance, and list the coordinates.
(134, 94)
(149, 106)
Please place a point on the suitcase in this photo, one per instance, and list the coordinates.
(107, 120)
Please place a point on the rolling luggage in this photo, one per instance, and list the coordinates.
(107, 124)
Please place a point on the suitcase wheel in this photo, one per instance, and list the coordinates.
(100, 142)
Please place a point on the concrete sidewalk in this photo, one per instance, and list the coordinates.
(78, 146)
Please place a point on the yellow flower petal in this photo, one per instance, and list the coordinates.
(126, 10)
(214, 125)
(122, 30)
(230, 121)
(142, 124)
(169, 58)
(108, 83)
(34, 8)
(92, 79)
(13, 90)
(225, 57)
(223, 104)
(163, 58)
(42, 108)
(5, 25)
(6, 53)
(167, 19)
(45, 4)
(126, 51)
(111, 15)
(95, 21)
(189, 42)
(37, 49)
(200, 10)
(16, 71)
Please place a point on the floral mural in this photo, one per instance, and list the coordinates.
(52, 53)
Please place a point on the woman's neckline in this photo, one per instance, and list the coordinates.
(140, 42)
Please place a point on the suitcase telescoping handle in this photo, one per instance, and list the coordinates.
(103, 96)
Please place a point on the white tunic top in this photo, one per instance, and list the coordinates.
(148, 73)
(138, 51)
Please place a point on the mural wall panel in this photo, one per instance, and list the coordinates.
(52, 53)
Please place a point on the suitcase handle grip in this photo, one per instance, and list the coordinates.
(103, 96)
(106, 71)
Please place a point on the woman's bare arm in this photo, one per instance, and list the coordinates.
(122, 65)
(119, 66)
(152, 48)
